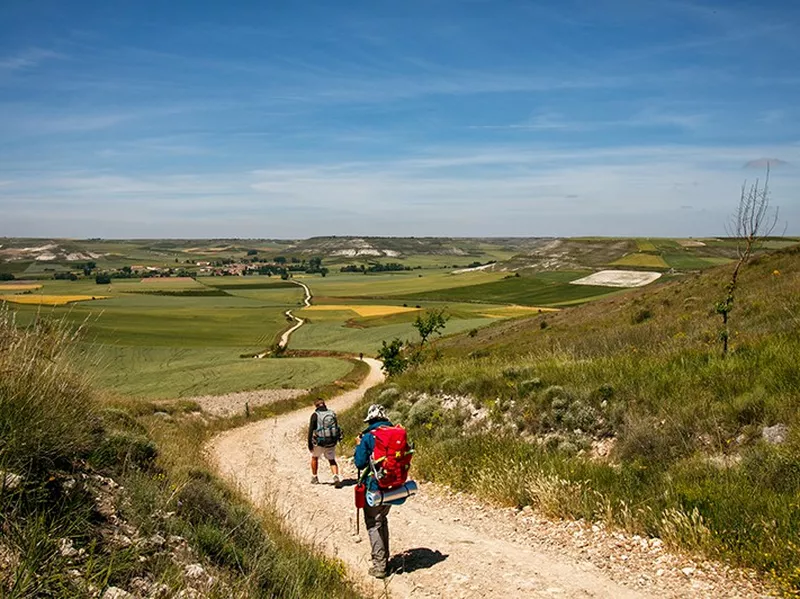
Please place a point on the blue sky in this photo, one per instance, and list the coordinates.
(437, 117)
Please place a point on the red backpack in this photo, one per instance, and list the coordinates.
(391, 457)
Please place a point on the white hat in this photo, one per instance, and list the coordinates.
(376, 412)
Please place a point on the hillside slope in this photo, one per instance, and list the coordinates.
(624, 411)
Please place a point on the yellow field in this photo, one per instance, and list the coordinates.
(645, 246)
(48, 300)
(513, 311)
(18, 287)
(646, 260)
(363, 310)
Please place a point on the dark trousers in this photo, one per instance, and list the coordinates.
(377, 522)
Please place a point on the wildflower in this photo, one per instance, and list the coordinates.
(776, 273)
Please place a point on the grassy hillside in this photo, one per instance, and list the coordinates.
(624, 410)
(97, 493)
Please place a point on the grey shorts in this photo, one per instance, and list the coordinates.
(329, 453)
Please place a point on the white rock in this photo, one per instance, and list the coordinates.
(117, 593)
(775, 435)
(66, 549)
(9, 480)
(194, 571)
(688, 571)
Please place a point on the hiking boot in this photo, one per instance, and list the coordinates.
(337, 482)
(314, 480)
(377, 572)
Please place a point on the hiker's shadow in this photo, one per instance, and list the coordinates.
(415, 559)
(349, 482)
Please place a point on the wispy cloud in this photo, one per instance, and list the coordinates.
(27, 59)
(647, 117)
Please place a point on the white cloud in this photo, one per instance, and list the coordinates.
(27, 59)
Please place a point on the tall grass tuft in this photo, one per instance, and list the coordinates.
(47, 411)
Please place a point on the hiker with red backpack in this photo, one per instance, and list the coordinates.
(323, 435)
(384, 455)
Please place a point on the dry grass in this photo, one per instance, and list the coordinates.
(364, 311)
(49, 300)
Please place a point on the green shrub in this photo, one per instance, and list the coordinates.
(424, 412)
(201, 501)
(122, 449)
(388, 396)
(528, 386)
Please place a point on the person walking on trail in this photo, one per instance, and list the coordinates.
(375, 518)
(323, 435)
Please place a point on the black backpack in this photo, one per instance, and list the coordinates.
(328, 432)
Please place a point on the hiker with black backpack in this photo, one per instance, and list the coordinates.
(323, 435)
(383, 457)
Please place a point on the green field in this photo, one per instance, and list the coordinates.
(170, 372)
(161, 346)
(338, 336)
(550, 289)
(347, 285)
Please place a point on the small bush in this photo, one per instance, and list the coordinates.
(424, 412)
(641, 315)
(216, 544)
(403, 406)
(517, 372)
(122, 449)
(651, 440)
(528, 386)
(388, 396)
(200, 501)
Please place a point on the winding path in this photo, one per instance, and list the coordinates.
(449, 550)
(298, 321)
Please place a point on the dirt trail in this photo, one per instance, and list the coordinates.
(449, 547)
(299, 321)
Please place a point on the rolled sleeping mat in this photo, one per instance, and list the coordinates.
(380, 497)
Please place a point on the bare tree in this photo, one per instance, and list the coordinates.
(754, 220)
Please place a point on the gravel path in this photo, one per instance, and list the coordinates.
(451, 545)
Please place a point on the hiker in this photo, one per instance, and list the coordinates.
(323, 435)
(361, 356)
(376, 517)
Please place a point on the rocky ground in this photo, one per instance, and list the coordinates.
(167, 566)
